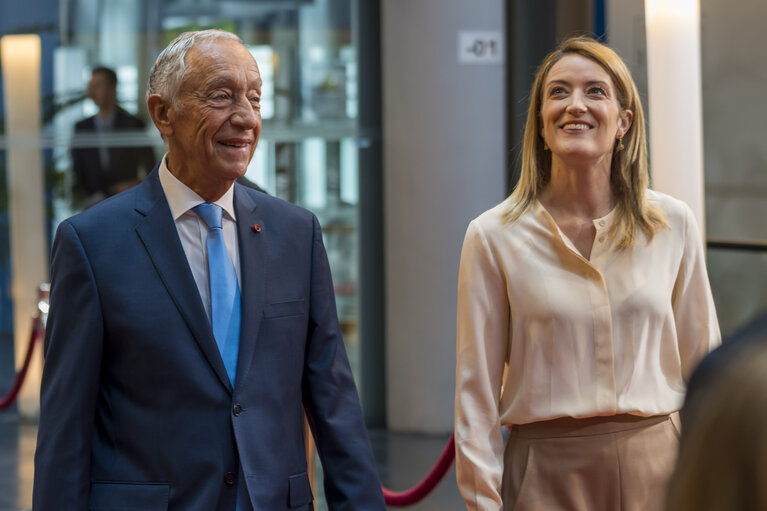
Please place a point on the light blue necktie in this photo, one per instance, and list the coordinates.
(224, 289)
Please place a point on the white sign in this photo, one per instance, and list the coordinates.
(480, 47)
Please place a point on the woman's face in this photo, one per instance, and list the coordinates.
(580, 115)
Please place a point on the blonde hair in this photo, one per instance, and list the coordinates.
(723, 450)
(629, 175)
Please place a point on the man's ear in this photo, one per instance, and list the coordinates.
(159, 110)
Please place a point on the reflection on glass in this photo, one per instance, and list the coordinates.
(313, 174)
(258, 169)
(265, 57)
(349, 174)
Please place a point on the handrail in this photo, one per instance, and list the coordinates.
(736, 244)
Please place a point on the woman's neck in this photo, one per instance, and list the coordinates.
(579, 191)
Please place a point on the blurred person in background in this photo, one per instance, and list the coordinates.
(584, 297)
(722, 460)
(102, 167)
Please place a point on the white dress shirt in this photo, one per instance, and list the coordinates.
(619, 333)
(193, 232)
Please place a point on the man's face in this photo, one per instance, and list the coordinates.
(101, 91)
(216, 120)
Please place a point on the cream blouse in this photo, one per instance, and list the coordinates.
(619, 333)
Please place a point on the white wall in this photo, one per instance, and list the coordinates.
(444, 163)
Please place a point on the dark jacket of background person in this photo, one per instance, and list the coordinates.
(125, 164)
(723, 447)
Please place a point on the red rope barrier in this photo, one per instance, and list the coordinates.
(10, 398)
(419, 491)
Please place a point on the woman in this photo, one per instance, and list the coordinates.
(583, 295)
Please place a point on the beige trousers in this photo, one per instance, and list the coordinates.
(617, 463)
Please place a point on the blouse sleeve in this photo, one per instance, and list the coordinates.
(696, 322)
(482, 342)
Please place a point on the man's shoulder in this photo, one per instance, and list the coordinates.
(270, 204)
(123, 120)
(87, 124)
(107, 214)
(126, 120)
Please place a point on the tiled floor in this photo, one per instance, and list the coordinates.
(17, 448)
(403, 460)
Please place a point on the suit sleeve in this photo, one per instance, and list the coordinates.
(331, 401)
(482, 342)
(697, 326)
(73, 350)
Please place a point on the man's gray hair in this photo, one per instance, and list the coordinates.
(169, 70)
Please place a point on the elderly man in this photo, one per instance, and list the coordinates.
(193, 322)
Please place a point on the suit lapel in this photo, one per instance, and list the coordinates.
(252, 270)
(157, 232)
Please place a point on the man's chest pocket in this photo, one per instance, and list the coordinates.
(129, 497)
(285, 309)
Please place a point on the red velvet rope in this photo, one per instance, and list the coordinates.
(10, 398)
(422, 489)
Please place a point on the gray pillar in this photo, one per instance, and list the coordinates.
(444, 163)
(626, 34)
(532, 34)
(534, 30)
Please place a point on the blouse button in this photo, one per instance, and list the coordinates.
(602, 223)
(601, 239)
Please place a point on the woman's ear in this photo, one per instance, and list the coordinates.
(160, 112)
(624, 122)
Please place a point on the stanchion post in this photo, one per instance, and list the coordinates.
(43, 304)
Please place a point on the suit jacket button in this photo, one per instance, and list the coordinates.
(230, 478)
(237, 410)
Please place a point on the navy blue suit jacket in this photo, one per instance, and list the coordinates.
(137, 412)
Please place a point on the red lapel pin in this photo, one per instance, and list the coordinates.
(256, 228)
